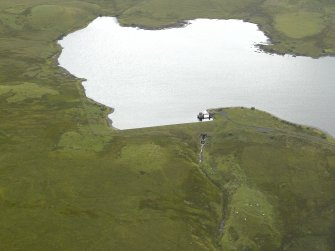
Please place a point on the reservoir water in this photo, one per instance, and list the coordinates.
(160, 77)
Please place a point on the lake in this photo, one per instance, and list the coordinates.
(160, 77)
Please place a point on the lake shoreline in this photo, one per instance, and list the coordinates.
(116, 29)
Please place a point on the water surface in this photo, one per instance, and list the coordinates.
(167, 76)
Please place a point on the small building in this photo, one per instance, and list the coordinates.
(205, 115)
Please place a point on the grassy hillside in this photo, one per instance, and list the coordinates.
(69, 182)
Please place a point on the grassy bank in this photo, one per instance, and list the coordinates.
(69, 182)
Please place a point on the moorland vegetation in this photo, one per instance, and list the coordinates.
(70, 182)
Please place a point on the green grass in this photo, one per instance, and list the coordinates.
(300, 25)
(286, 175)
(252, 222)
(21, 92)
(54, 17)
(70, 182)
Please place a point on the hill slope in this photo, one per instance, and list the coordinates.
(69, 182)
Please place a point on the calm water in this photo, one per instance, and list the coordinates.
(167, 76)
